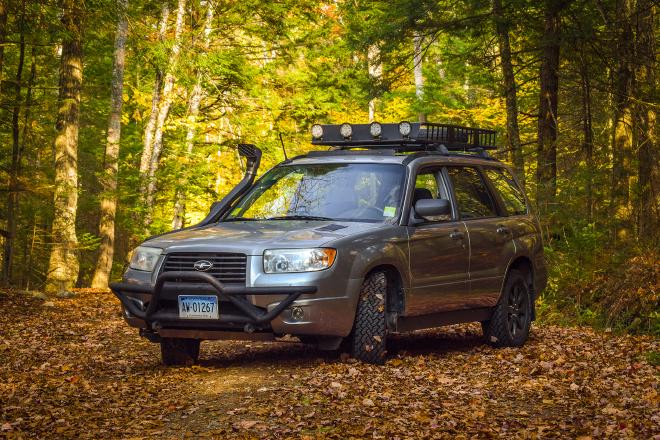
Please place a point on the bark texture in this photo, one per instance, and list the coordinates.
(163, 112)
(63, 265)
(546, 171)
(178, 220)
(375, 69)
(109, 179)
(510, 89)
(3, 35)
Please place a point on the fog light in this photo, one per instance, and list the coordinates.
(405, 128)
(317, 131)
(375, 129)
(297, 313)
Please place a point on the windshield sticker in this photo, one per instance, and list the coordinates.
(389, 211)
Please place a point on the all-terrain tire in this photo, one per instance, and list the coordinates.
(369, 337)
(179, 351)
(512, 318)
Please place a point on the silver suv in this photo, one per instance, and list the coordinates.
(396, 227)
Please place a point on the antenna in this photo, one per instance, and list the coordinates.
(283, 149)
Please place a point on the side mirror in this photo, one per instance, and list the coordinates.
(430, 208)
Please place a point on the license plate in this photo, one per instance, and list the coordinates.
(198, 307)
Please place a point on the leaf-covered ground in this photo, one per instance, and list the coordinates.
(71, 368)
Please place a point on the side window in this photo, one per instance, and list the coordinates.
(430, 185)
(510, 193)
(472, 196)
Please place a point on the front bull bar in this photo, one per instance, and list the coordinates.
(235, 294)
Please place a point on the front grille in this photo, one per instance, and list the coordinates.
(227, 267)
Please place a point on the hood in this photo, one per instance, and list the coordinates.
(253, 237)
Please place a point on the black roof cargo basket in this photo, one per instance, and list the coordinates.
(405, 136)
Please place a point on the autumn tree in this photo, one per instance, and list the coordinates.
(63, 265)
(109, 178)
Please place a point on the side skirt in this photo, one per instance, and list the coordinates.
(410, 323)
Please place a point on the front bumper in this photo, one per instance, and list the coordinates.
(152, 308)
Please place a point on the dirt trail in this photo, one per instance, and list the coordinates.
(71, 368)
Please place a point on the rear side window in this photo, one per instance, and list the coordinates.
(510, 193)
(473, 198)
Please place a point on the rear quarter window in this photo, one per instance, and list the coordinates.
(510, 193)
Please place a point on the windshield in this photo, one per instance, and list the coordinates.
(350, 192)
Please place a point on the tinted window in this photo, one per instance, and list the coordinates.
(510, 193)
(472, 196)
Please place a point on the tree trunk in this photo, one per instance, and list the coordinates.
(109, 179)
(12, 198)
(622, 141)
(63, 265)
(148, 145)
(649, 175)
(196, 96)
(510, 90)
(375, 70)
(418, 73)
(163, 112)
(546, 171)
(587, 132)
(3, 35)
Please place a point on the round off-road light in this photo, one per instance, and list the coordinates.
(317, 131)
(297, 313)
(375, 129)
(405, 128)
(346, 130)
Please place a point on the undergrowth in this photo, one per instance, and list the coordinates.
(596, 284)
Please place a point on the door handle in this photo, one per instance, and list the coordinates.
(456, 235)
(503, 230)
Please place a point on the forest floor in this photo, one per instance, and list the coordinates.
(71, 368)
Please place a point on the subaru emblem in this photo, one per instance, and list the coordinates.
(202, 265)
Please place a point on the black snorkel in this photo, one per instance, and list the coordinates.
(252, 155)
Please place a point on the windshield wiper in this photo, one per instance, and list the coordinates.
(241, 219)
(300, 217)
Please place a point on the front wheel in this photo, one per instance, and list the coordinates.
(368, 341)
(179, 351)
(512, 318)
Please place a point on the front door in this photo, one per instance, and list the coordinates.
(439, 255)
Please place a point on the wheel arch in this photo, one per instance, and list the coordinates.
(524, 264)
(395, 296)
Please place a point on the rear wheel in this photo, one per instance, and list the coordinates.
(368, 342)
(179, 351)
(512, 318)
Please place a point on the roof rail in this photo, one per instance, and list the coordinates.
(405, 136)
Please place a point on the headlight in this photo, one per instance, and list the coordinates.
(405, 128)
(144, 258)
(375, 129)
(298, 260)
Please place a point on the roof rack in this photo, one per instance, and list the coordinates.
(405, 136)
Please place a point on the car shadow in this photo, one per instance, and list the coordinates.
(436, 342)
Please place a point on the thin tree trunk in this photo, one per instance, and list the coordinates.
(418, 73)
(375, 70)
(193, 110)
(3, 35)
(163, 112)
(622, 134)
(63, 265)
(12, 198)
(148, 138)
(649, 175)
(587, 132)
(510, 90)
(546, 171)
(109, 182)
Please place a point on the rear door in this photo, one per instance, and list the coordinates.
(439, 254)
(491, 244)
